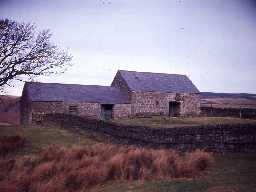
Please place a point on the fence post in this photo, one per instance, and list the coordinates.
(240, 113)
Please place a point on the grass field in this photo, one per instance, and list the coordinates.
(230, 172)
(166, 122)
(229, 103)
(41, 137)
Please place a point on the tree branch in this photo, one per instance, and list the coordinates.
(27, 53)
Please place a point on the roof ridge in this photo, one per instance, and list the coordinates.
(161, 73)
(149, 81)
(67, 84)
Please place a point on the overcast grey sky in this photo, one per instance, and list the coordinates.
(211, 41)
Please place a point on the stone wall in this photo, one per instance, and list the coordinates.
(151, 103)
(121, 111)
(91, 110)
(121, 84)
(38, 109)
(190, 104)
(146, 104)
(47, 107)
(25, 109)
(217, 138)
(157, 103)
(41, 108)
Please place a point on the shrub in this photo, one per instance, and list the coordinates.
(198, 161)
(53, 152)
(77, 168)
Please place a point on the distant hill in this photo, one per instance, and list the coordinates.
(10, 109)
(208, 95)
(9, 103)
(228, 100)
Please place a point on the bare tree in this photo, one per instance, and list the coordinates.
(26, 53)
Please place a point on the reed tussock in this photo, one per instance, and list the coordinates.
(79, 168)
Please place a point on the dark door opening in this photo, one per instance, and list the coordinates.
(174, 108)
(106, 112)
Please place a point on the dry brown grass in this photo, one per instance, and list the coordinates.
(79, 168)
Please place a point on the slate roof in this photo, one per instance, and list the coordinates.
(146, 81)
(74, 93)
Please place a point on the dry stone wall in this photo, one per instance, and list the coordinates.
(218, 138)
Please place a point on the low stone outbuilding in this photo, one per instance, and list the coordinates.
(130, 94)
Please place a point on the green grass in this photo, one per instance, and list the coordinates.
(230, 172)
(40, 137)
(166, 122)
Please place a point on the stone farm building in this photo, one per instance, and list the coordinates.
(131, 94)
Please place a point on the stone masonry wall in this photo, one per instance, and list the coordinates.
(41, 108)
(190, 104)
(25, 108)
(157, 103)
(38, 109)
(217, 138)
(47, 107)
(121, 111)
(121, 84)
(151, 103)
(146, 104)
(91, 110)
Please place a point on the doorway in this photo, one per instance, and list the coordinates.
(106, 112)
(174, 108)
